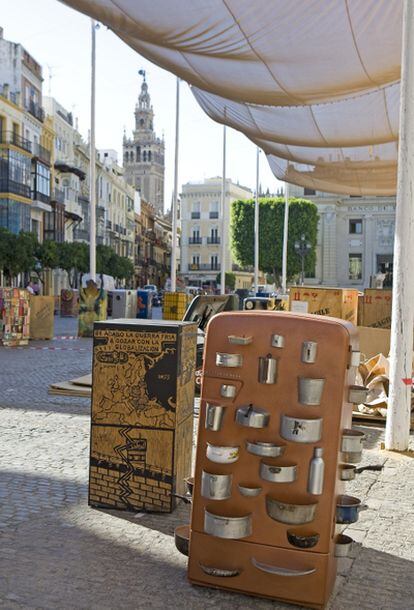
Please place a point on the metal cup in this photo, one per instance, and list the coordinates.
(214, 416)
(228, 391)
(267, 369)
(227, 527)
(228, 360)
(216, 486)
(309, 351)
(277, 341)
(310, 390)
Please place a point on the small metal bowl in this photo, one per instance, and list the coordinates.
(343, 545)
(303, 540)
(249, 490)
(347, 472)
(265, 449)
(278, 473)
(223, 526)
(182, 538)
(220, 572)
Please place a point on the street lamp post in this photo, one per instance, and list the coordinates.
(302, 249)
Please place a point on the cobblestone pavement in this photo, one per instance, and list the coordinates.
(55, 552)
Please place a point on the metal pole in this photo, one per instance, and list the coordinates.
(397, 431)
(285, 239)
(175, 193)
(92, 169)
(303, 270)
(256, 225)
(223, 220)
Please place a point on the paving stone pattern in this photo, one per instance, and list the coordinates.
(56, 552)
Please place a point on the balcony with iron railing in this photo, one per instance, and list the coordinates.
(10, 137)
(35, 110)
(41, 153)
(37, 196)
(203, 267)
(15, 188)
(213, 240)
(195, 240)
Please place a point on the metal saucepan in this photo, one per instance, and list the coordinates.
(229, 360)
(292, 514)
(222, 455)
(281, 473)
(347, 472)
(309, 351)
(280, 570)
(228, 391)
(352, 440)
(182, 538)
(267, 369)
(347, 509)
(252, 417)
(220, 572)
(232, 528)
(357, 394)
(249, 490)
(310, 390)
(216, 486)
(265, 449)
(343, 545)
(301, 430)
(303, 539)
(189, 481)
(352, 457)
(214, 416)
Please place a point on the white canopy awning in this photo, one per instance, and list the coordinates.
(293, 76)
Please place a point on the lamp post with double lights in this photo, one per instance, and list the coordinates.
(302, 248)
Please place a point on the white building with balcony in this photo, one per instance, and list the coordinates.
(201, 229)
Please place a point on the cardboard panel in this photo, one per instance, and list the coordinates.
(42, 317)
(69, 303)
(335, 302)
(376, 308)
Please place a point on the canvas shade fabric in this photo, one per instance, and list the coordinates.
(293, 76)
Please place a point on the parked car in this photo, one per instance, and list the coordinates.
(151, 287)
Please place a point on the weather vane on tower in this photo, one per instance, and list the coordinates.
(142, 73)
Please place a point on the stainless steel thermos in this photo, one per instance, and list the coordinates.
(316, 472)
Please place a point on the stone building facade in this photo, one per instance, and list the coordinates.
(144, 154)
(201, 229)
(355, 238)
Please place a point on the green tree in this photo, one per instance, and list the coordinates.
(74, 259)
(303, 220)
(230, 280)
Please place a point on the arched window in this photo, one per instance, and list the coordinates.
(138, 154)
(126, 157)
(149, 155)
(131, 156)
(144, 156)
(141, 122)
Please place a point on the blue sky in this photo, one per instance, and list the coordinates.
(59, 39)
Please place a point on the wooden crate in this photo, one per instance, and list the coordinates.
(142, 413)
(42, 317)
(174, 305)
(376, 308)
(335, 302)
